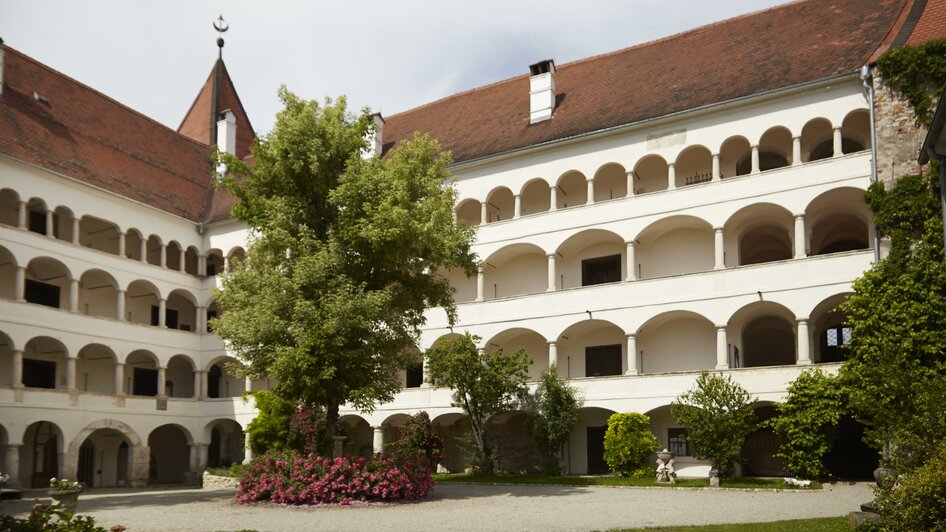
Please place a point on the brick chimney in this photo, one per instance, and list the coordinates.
(226, 132)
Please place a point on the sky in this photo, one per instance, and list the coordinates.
(390, 56)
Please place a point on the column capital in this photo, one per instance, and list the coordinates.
(754, 146)
(836, 128)
(720, 327)
(629, 243)
(803, 319)
(198, 445)
(551, 255)
(796, 137)
(799, 216)
(718, 229)
(716, 154)
(517, 195)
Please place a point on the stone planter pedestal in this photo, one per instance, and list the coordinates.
(67, 498)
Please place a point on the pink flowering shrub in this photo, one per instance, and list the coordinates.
(293, 479)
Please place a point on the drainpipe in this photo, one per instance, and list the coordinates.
(867, 81)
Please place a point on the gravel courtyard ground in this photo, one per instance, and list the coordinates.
(464, 507)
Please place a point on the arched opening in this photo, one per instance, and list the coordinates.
(226, 443)
(586, 442)
(391, 428)
(173, 256)
(142, 303)
(179, 377)
(763, 334)
(235, 257)
(214, 262)
(676, 341)
(572, 189)
(817, 140)
(223, 383)
(41, 454)
(592, 348)
(514, 447)
(500, 205)
(191, 260)
(98, 294)
(181, 311)
(95, 369)
(839, 221)
(36, 216)
(775, 149)
(98, 234)
(133, 244)
(455, 430)
(610, 182)
(590, 257)
(47, 283)
(9, 207)
(673, 437)
(153, 250)
(141, 373)
(44, 363)
(694, 166)
(535, 197)
(855, 131)
(732, 152)
(850, 458)
(832, 334)
(650, 175)
(514, 270)
(760, 447)
(213, 311)
(674, 246)
(7, 274)
(359, 436)
(170, 454)
(534, 344)
(468, 212)
(759, 233)
(63, 217)
(6, 360)
(104, 459)
(413, 375)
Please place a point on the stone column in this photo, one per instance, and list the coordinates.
(553, 197)
(722, 348)
(203, 385)
(201, 318)
(162, 382)
(631, 273)
(632, 368)
(796, 150)
(119, 378)
(201, 265)
(377, 443)
(517, 209)
(630, 184)
(162, 312)
(425, 373)
(73, 295)
(120, 305)
(11, 464)
(671, 176)
(484, 213)
(553, 354)
(75, 233)
(17, 368)
(20, 289)
(164, 255)
(21, 215)
(551, 273)
(121, 244)
(755, 158)
(480, 283)
(719, 248)
(716, 173)
(590, 184)
(838, 151)
(70, 373)
(197, 382)
(198, 458)
(247, 450)
(800, 237)
(247, 384)
(143, 249)
(182, 258)
(804, 346)
(49, 224)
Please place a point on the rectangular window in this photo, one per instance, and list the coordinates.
(601, 270)
(145, 382)
(603, 360)
(42, 293)
(677, 442)
(37, 222)
(415, 376)
(39, 373)
(170, 317)
(210, 315)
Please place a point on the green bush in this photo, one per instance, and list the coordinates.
(552, 411)
(916, 500)
(627, 444)
(417, 438)
(45, 518)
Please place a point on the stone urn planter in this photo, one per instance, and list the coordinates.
(665, 455)
(67, 498)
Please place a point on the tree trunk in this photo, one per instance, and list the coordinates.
(331, 421)
(482, 446)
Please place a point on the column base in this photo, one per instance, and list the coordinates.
(632, 372)
(803, 362)
(722, 366)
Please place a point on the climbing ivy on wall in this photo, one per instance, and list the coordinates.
(917, 72)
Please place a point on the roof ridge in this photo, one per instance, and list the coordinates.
(99, 93)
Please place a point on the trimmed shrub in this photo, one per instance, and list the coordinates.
(286, 478)
(916, 500)
(627, 444)
(416, 439)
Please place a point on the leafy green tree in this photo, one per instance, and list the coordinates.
(344, 256)
(718, 414)
(269, 430)
(416, 439)
(552, 411)
(807, 422)
(483, 385)
(627, 444)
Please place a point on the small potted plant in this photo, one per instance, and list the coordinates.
(65, 492)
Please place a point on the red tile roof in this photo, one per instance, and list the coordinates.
(932, 24)
(218, 94)
(764, 51)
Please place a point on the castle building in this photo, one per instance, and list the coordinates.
(693, 203)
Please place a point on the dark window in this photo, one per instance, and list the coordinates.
(211, 268)
(603, 360)
(601, 270)
(595, 438)
(415, 376)
(170, 317)
(39, 373)
(42, 293)
(37, 222)
(677, 440)
(833, 343)
(213, 382)
(145, 382)
(210, 315)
